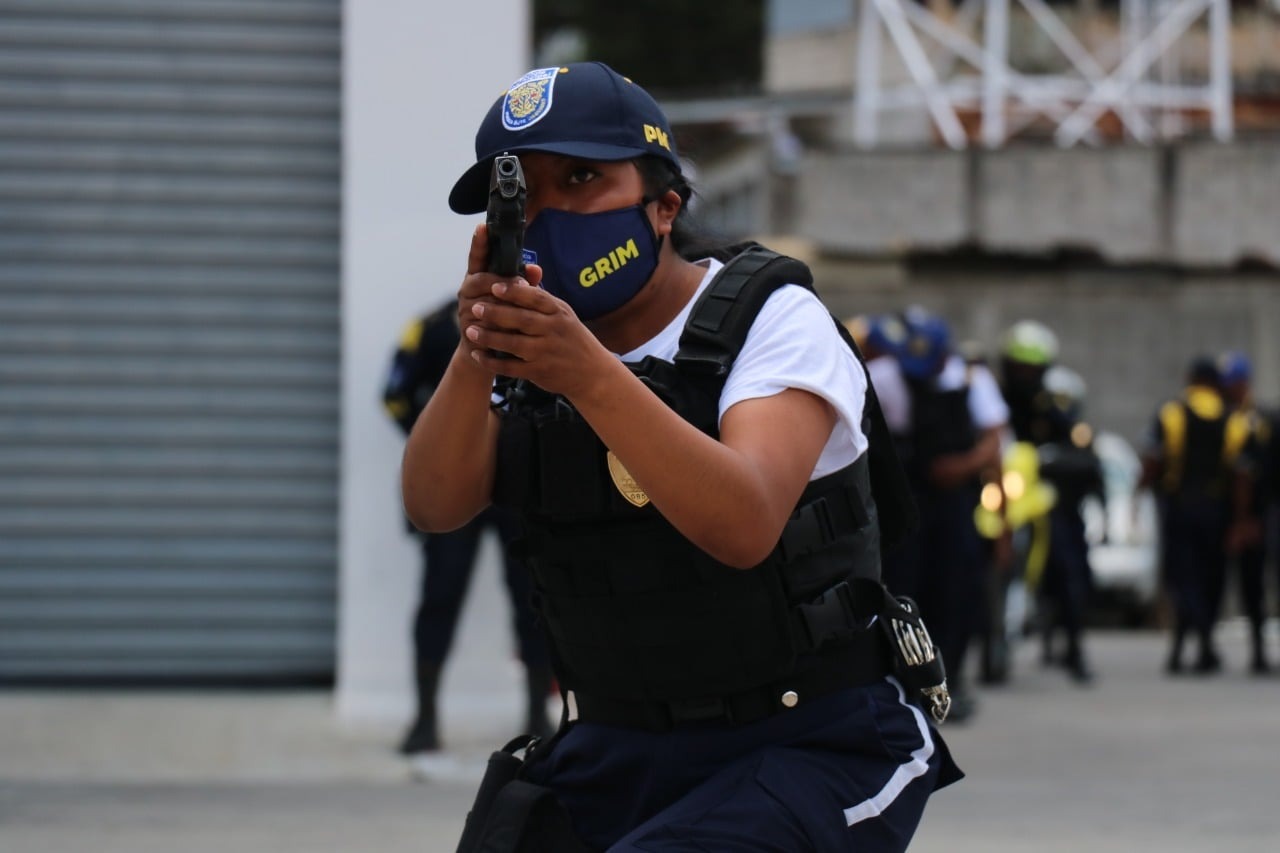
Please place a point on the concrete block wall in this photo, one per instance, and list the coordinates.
(1227, 204)
(890, 201)
(1194, 205)
(1037, 200)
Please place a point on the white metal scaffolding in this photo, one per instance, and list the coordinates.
(960, 63)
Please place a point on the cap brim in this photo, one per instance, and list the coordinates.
(471, 193)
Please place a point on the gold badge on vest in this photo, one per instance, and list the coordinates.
(627, 485)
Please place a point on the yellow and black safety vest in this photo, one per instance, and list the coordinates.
(1201, 441)
(420, 360)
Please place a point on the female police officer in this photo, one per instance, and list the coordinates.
(690, 468)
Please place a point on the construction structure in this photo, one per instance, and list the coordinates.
(957, 62)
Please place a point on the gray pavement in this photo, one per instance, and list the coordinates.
(1139, 761)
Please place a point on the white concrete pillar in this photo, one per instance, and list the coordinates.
(416, 83)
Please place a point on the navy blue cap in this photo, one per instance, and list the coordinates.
(584, 109)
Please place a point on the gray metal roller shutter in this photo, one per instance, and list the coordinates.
(169, 238)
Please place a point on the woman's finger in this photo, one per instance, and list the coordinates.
(486, 338)
(478, 256)
(524, 295)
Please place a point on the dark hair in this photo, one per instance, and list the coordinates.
(689, 237)
(1203, 371)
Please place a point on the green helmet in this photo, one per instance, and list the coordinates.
(1030, 342)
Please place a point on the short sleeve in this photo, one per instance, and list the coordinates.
(794, 343)
(986, 404)
(891, 389)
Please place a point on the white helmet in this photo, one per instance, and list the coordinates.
(1030, 342)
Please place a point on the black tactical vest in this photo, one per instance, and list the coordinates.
(940, 425)
(634, 610)
(1202, 468)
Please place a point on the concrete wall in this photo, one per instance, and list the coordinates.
(1040, 199)
(1227, 204)
(415, 87)
(1196, 204)
(884, 202)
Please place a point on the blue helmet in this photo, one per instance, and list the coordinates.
(926, 346)
(1234, 367)
(886, 333)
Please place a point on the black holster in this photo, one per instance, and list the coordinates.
(513, 815)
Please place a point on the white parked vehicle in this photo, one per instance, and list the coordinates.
(1124, 538)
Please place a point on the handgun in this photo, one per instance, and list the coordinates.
(505, 220)
(505, 216)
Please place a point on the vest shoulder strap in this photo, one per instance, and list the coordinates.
(721, 318)
(717, 328)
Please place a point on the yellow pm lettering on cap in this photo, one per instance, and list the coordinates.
(656, 134)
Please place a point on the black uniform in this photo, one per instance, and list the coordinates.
(943, 567)
(1257, 462)
(1197, 444)
(1068, 461)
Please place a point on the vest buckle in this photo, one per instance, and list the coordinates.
(829, 617)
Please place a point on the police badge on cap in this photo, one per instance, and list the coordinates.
(528, 99)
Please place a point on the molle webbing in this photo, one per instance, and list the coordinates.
(723, 314)
(635, 610)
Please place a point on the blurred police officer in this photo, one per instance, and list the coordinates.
(1003, 612)
(419, 362)
(1046, 403)
(1191, 459)
(1028, 349)
(1017, 511)
(946, 417)
(1068, 461)
(1248, 546)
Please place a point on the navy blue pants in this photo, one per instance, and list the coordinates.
(847, 771)
(1194, 562)
(1068, 579)
(448, 561)
(1253, 598)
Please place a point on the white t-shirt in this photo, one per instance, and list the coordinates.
(986, 404)
(793, 343)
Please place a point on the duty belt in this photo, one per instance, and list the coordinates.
(864, 660)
